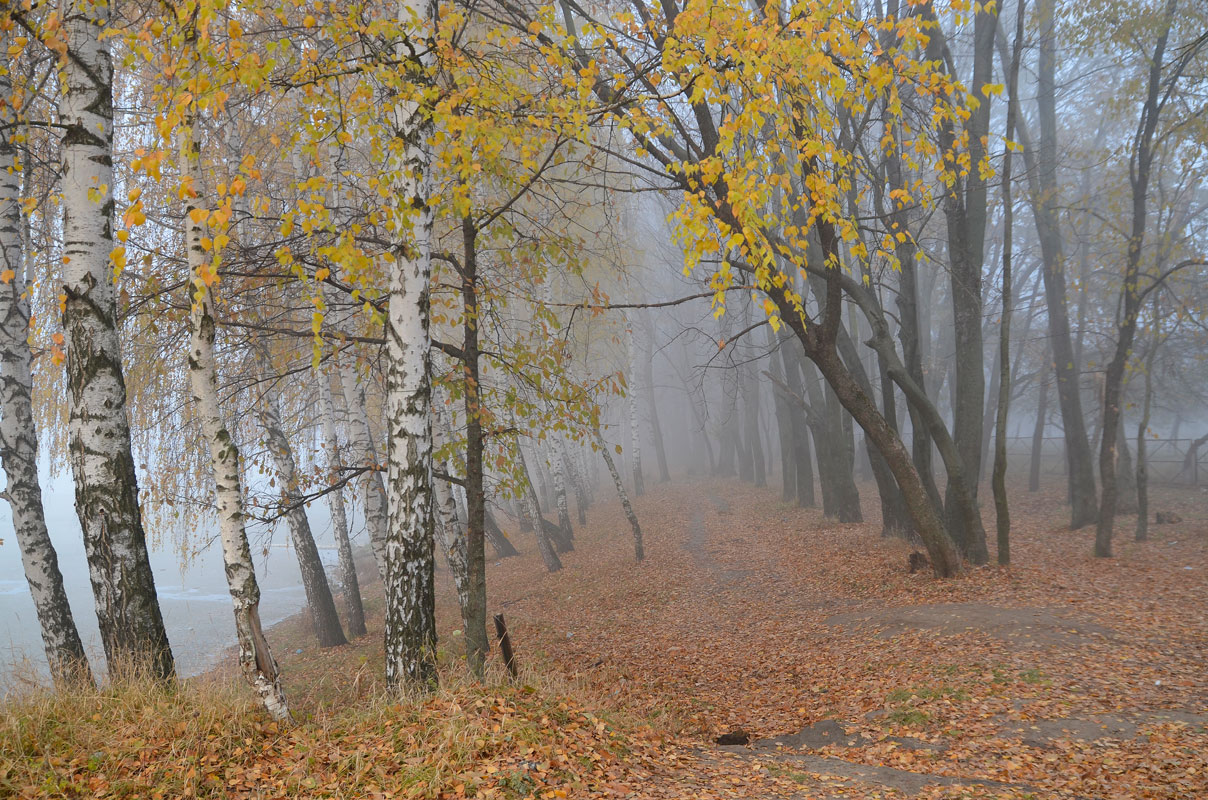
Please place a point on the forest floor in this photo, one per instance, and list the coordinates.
(1063, 676)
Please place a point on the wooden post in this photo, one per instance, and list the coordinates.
(505, 646)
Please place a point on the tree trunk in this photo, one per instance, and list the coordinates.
(373, 491)
(532, 507)
(499, 542)
(255, 657)
(453, 539)
(999, 478)
(802, 456)
(131, 625)
(1142, 531)
(895, 520)
(1113, 379)
(314, 579)
(18, 434)
(559, 481)
(635, 432)
(639, 550)
(576, 480)
(1046, 199)
(784, 421)
(1126, 475)
(648, 341)
(1042, 409)
(478, 521)
(354, 607)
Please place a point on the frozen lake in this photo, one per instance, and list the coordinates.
(192, 592)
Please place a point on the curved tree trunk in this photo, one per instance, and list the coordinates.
(373, 490)
(532, 508)
(314, 579)
(131, 624)
(355, 609)
(639, 549)
(255, 657)
(18, 433)
(499, 542)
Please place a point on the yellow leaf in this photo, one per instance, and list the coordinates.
(7, 276)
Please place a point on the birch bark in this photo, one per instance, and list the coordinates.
(373, 490)
(354, 608)
(314, 578)
(639, 549)
(18, 434)
(128, 613)
(255, 657)
(410, 600)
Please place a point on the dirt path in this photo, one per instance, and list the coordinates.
(1063, 677)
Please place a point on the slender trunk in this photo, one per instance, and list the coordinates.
(128, 613)
(999, 478)
(1126, 475)
(576, 481)
(255, 657)
(502, 546)
(477, 520)
(648, 341)
(18, 434)
(840, 496)
(1113, 379)
(895, 519)
(314, 579)
(373, 490)
(1042, 410)
(1045, 195)
(635, 453)
(802, 457)
(351, 584)
(1142, 532)
(559, 481)
(784, 422)
(639, 550)
(453, 540)
(549, 555)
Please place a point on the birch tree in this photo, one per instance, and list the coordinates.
(355, 610)
(18, 432)
(410, 598)
(106, 486)
(255, 656)
(314, 580)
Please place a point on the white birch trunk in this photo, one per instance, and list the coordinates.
(18, 434)
(373, 489)
(255, 657)
(639, 549)
(452, 533)
(532, 509)
(410, 594)
(314, 578)
(634, 392)
(128, 613)
(355, 609)
(556, 475)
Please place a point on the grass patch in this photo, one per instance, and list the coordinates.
(206, 739)
(928, 693)
(909, 717)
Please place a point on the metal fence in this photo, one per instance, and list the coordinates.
(1166, 459)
